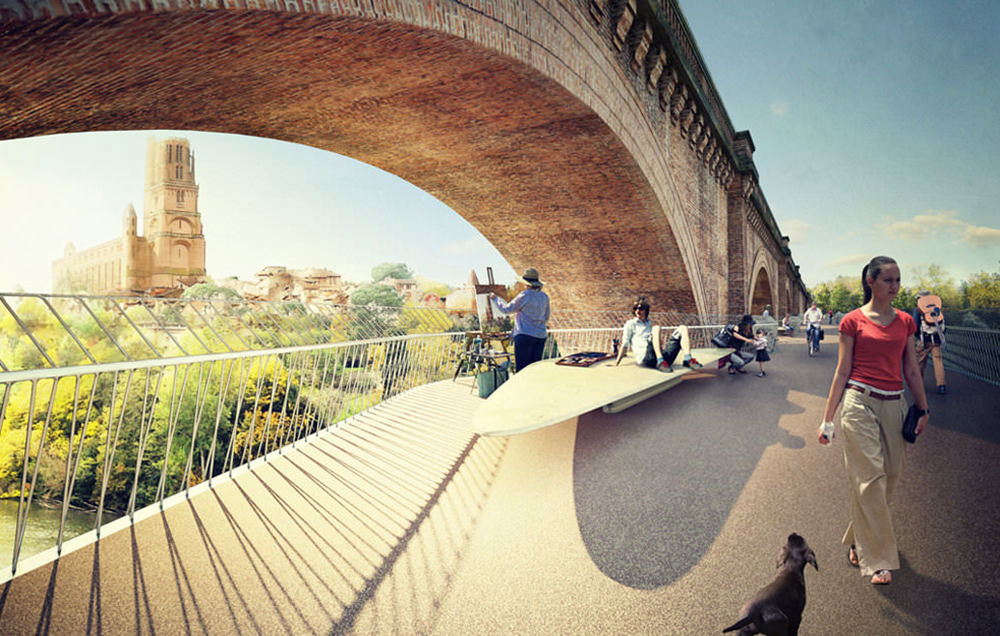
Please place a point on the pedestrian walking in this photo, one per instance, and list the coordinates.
(876, 355)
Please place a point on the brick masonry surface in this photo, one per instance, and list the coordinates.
(606, 164)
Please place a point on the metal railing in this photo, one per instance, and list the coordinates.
(110, 407)
(973, 352)
(114, 438)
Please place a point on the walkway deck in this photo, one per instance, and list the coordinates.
(660, 519)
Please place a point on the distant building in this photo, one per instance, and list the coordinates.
(408, 288)
(168, 256)
(279, 283)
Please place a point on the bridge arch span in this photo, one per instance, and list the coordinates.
(583, 138)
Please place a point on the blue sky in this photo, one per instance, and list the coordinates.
(875, 125)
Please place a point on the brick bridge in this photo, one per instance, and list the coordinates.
(582, 137)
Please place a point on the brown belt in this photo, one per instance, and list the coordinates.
(877, 396)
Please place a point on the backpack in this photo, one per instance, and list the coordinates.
(724, 339)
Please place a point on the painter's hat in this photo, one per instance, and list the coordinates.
(530, 276)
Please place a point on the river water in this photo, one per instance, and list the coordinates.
(42, 531)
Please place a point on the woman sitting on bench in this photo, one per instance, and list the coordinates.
(643, 338)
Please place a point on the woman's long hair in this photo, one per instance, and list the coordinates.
(872, 270)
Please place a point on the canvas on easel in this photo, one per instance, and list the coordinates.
(483, 306)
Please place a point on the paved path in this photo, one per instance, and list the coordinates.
(661, 519)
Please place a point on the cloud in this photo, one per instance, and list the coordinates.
(933, 223)
(906, 230)
(981, 236)
(852, 259)
(796, 229)
(940, 220)
(779, 108)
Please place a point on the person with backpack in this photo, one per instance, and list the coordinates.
(930, 340)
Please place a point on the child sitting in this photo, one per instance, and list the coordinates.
(760, 341)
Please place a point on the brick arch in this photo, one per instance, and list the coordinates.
(761, 291)
(533, 167)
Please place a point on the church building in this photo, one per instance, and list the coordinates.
(170, 253)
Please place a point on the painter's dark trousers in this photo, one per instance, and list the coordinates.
(527, 349)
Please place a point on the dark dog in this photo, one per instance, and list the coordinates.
(776, 610)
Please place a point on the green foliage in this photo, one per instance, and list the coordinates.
(210, 291)
(157, 431)
(905, 300)
(982, 291)
(433, 287)
(378, 295)
(936, 281)
(383, 271)
(842, 295)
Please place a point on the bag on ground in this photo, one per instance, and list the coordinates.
(488, 381)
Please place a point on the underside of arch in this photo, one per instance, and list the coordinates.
(513, 152)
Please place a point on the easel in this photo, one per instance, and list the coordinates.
(483, 357)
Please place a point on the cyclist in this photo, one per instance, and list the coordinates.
(813, 319)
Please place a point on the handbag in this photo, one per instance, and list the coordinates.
(724, 338)
(910, 424)
(821, 334)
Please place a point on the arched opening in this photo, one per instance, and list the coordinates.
(761, 294)
(527, 163)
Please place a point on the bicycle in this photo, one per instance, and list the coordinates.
(812, 336)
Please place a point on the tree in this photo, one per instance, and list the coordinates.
(936, 281)
(983, 291)
(906, 299)
(383, 271)
(210, 290)
(378, 295)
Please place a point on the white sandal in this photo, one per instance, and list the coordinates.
(882, 577)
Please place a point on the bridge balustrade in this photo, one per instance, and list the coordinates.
(973, 352)
(123, 406)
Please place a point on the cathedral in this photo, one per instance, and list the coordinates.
(170, 253)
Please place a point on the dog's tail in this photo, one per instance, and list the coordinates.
(743, 622)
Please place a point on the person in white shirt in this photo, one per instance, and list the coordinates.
(813, 319)
(640, 335)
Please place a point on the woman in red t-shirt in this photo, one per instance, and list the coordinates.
(876, 354)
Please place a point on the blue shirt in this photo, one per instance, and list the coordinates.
(531, 312)
(637, 334)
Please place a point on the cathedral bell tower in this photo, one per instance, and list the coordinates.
(171, 221)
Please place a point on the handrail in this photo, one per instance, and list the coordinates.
(119, 437)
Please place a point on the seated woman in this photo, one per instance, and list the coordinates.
(786, 326)
(643, 338)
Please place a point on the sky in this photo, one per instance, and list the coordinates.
(875, 125)
(263, 202)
